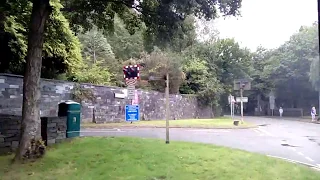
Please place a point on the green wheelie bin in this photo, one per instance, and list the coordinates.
(72, 110)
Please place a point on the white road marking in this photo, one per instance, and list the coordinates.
(259, 132)
(300, 153)
(299, 162)
(101, 131)
(209, 131)
(310, 159)
(315, 168)
(292, 148)
(264, 131)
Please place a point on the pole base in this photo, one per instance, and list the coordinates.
(236, 122)
(167, 142)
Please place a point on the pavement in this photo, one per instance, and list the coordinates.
(291, 140)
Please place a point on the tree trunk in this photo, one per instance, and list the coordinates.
(31, 124)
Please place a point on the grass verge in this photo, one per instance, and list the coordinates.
(190, 123)
(149, 159)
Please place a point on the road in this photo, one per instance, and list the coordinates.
(294, 140)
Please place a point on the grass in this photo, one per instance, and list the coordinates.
(190, 123)
(149, 159)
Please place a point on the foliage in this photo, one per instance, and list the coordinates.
(157, 64)
(81, 94)
(225, 61)
(95, 74)
(95, 47)
(182, 38)
(315, 74)
(36, 150)
(124, 45)
(289, 68)
(199, 81)
(163, 19)
(61, 51)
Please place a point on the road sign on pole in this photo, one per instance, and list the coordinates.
(272, 102)
(231, 99)
(131, 90)
(132, 113)
(231, 102)
(244, 99)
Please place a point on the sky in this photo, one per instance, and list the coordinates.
(267, 22)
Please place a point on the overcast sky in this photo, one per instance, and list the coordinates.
(268, 22)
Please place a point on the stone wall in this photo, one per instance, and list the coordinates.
(53, 130)
(56, 129)
(106, 108)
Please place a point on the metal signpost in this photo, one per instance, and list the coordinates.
(132, 113)
(242, 84)
(131, 74)
(272, 102)
(231, 102)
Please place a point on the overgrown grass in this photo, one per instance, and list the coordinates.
(148, 159)
(189, 123)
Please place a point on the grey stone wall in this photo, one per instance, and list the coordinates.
(56, 129)
(106, 107)
(10, 131)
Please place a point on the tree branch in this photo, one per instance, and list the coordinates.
(136, 7)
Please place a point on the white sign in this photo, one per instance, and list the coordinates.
(271, 102)
(135, 101)
(119, 95)
(244, 99)
(131, 90)
(231, 99)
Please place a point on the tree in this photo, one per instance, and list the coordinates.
(225, 61)
(95, 47)
(95, 73)
(125, 45)
(315, 74)
(206, 31)
(200, 82)
(161, 18)
(289, 68)
(156, 66)
(61, 50)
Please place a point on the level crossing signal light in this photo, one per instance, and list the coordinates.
(131, 72)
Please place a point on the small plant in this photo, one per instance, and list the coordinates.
(36, 149)
(81, 94)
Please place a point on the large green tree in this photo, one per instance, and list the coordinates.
(218, 62)
(289, 69)
(61, 50)
(124, 44)
(162, 18)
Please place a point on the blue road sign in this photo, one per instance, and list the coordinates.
(132, 113)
